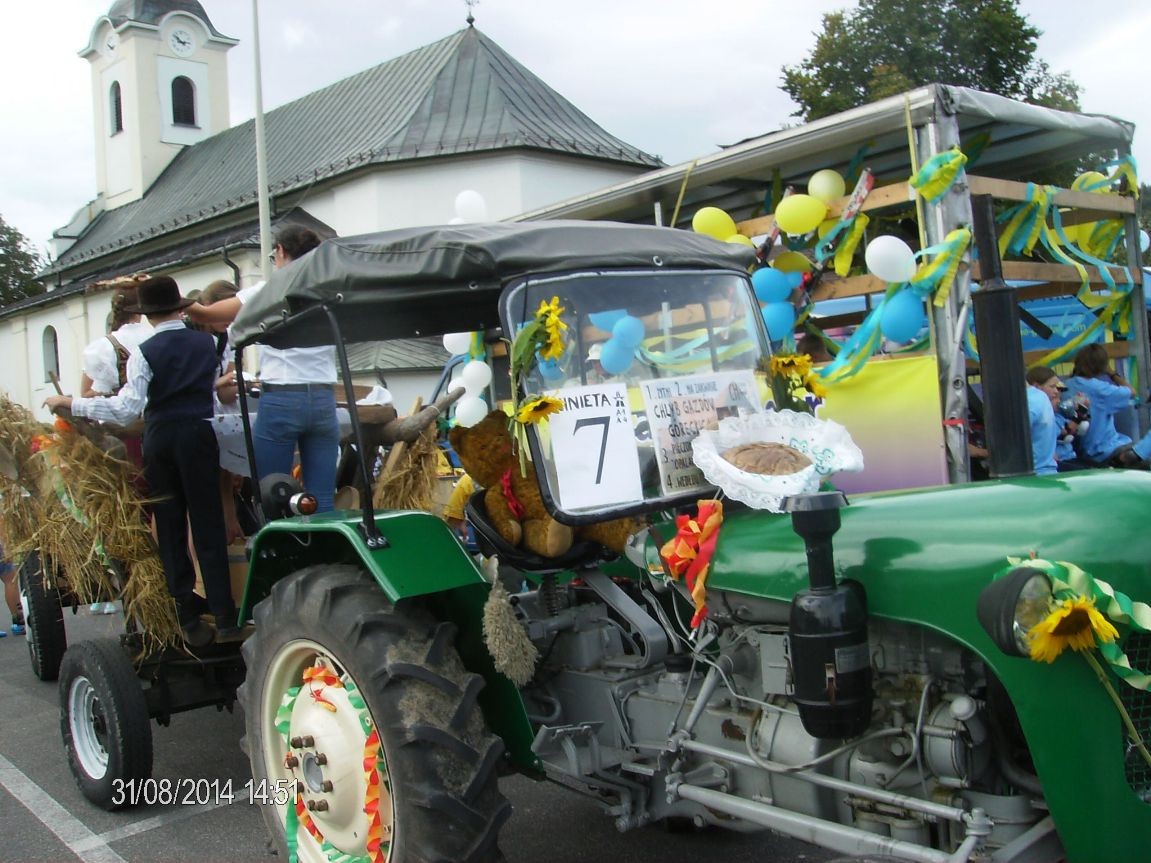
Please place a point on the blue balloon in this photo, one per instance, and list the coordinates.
(902, 317)
(616, 357)
(794, 280)
(606, 319)
(771, 285)
(628, 330)
(549, 369)
(780, 320)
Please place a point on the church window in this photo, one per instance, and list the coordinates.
(183, 102)
(51, 354)
(116, 106)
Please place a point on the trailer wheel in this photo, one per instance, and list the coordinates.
(105, 724)
(363, 730)
(43, 619)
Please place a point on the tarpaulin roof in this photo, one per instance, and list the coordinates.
(425, 281)
(1004, 138)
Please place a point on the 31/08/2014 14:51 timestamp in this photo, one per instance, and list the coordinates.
(200, 792)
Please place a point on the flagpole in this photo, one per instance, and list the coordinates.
(261, 155)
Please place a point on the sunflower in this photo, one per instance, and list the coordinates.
(549, 315)
(791, 364)
(1073, 623)
(534, 410)
(815, 387)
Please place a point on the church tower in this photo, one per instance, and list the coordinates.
(159, 83)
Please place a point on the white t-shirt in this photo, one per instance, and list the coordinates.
(100, 360)
(293, 365)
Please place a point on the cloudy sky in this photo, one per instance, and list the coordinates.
(676, 78)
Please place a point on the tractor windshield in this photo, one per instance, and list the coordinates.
(648, 359)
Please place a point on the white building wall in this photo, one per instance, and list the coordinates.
(425, 193)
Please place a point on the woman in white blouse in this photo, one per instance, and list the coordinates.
(106, 357)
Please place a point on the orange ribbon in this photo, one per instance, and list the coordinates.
(688, 553)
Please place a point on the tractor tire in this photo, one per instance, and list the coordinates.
(105, 723)
(332, 668)
(43, 619)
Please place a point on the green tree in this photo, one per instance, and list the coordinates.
(19, 263)
(885, 47)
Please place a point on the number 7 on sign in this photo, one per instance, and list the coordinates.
(596, 421)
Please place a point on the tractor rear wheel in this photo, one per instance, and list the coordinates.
(105, 723)
(363, 729)
(43, 618)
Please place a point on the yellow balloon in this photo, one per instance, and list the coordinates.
(792, 262)
(800, 214)
(1090, 178)
(827, 185)
(742, 240)
(714, 222)
(825, 226)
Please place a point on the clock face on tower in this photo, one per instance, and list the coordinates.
(110, 42)
(181, 42)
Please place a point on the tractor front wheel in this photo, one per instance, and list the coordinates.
(363, 730)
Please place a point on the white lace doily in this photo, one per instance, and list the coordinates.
(826, 443)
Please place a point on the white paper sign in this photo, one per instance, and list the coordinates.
(593, 447)
(677, 408)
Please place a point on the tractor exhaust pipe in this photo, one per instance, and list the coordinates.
(1000, 354)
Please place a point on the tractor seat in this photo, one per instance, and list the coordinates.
(581, 555)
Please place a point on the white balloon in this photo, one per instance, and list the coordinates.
(827, 185)
(457, 343)
(476, 375)
(470, 410)
(455, 220)
(1144, 241)
(471, 206)
(890, 259)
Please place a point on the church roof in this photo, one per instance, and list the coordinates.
(462, 94)
(153, 11)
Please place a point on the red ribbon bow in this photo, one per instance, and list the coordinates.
(689, 552)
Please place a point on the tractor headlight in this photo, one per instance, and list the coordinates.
(1009, 606)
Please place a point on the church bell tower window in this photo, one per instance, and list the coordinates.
(183, 102)
(116, 108)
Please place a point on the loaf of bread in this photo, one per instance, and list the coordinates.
(771, 459)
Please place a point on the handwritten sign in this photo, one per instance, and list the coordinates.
(594, 447)
(677, 408)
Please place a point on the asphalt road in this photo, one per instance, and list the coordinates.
(43, 816)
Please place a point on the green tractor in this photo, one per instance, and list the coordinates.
(859, 679)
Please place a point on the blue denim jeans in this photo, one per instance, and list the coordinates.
(307, 420)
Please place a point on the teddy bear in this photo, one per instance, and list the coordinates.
(485, 451)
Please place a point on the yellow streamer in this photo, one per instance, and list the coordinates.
(938, 174)
(849, 244)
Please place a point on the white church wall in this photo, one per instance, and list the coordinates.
(544, 180)
(70, 321)
(14, 375)
(425, 193)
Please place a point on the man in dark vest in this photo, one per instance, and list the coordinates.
(170, 380)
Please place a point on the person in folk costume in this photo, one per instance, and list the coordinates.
(171, 378)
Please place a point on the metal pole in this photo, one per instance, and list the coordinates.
(1138, 341)
(261, 155)
(1000, 353)
(949, 321)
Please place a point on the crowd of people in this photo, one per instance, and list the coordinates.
(1074, 423)
(177, 374)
